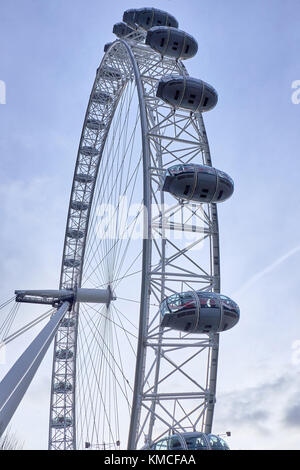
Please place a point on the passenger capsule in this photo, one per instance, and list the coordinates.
(62, 387)
(75, 234)
(61, 422)
(82, 178)
(79, 206)
(71, 263)
(95, 125)
(64, 354)
(186, 92)
(189, 441)
(110, 73)
(200, 183)
(129, 17)
(146, 18)
(68, 323)
(172, 42)
(121, 30)
(101, 97)
(107, 46)
(199, 312)
(89, 151)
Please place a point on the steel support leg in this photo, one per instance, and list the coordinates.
(17, 380)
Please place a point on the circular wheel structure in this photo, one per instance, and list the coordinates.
(120, 379)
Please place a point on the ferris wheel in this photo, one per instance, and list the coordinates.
(136, 348)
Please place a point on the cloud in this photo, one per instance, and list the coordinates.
(292, 415)
(260, 415)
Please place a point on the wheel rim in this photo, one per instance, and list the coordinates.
(113, 257)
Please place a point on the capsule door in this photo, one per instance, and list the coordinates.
(210, 312)
(206, 184)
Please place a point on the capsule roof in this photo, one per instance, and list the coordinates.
(187, 92)
(146, 18)
(122, 30)
(129, 17)
(107, 46)
(172, 42)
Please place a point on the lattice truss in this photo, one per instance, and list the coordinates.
(179, 386)
(101, 110)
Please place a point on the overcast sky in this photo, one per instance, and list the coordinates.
(249, 51)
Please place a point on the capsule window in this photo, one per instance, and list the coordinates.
(220, 194)
(184, 314)
(177, 93)
(229, 313)
(187, 188)
(192, 98)
(162, 42)
(205, 101)
(187, 326)
(148, 20)
(226, 182)
(187, 49)
(188, 175)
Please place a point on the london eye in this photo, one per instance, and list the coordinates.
(139, 308)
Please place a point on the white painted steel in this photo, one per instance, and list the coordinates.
(175, 374)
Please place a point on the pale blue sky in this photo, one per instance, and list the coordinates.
(249, 51)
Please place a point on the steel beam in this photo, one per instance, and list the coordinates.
(16, 382)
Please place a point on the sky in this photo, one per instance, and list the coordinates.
(249, 51)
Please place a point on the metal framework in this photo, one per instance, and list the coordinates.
(175, 375)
